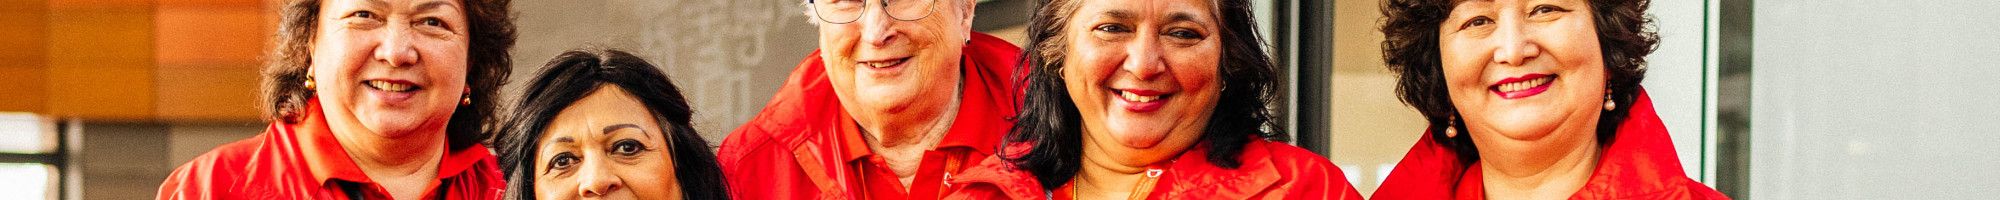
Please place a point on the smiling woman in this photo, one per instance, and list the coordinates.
(1530, 99)
(604, 124)
(1160, 99)
(369, 99)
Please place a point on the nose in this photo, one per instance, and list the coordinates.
(396, 48)
(1517, 46)
(877, 28)
(1144, 58)
(594, 180)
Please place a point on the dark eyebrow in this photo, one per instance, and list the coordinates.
(608, 129)
(428, 6)
(565, 139)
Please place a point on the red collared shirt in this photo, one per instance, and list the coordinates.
(303, 161)
(1638, 164)
(803, 145)
(1269, 170)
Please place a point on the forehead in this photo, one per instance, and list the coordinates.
(426, 5)
(1200, 10)
(608, 105)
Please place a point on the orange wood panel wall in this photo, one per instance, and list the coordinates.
(133, 60)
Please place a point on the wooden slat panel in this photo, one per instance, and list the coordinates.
(22, 61)
(220, 37)
(209, 56)
(97, 34)
(101, 93)
(22, 89)
(101, 63)
(209, 93)
(98, 4)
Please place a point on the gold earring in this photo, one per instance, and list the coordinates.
(309, 83)
(465, 100)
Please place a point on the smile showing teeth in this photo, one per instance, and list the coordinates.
(390, 86)
(883, 64)
(1137, 98)
(1524, 85)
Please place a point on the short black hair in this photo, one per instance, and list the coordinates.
(576, 73)
(1049, 119)
(1411, 50)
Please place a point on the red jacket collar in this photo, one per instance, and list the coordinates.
(1190, 175)
(328, 160)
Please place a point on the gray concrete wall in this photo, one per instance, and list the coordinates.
(1856, 99)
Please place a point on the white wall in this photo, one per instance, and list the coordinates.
(1679, 77)
(1856, 99)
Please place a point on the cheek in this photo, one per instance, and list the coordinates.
(1082, 83)
(554, 188)
(838, 40)
(1461, 64)
(449, 61)
(662, 181)
(1198, 68)
(1084, 69)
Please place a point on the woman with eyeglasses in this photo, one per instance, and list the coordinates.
(899, 96)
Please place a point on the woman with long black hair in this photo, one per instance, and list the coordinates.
(1157, 99)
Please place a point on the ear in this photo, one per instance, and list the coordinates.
(970, 6)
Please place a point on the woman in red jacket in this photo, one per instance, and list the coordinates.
(370, 99)
(1530, 100)
(1149, 100)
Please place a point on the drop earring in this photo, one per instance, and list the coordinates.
(1609, 104)
(1451, 127)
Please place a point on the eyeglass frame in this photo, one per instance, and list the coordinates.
(930, 8)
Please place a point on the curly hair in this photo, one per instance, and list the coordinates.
(283, 94)
(1410, 49)
(1049, 120)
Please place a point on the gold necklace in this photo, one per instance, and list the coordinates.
(1144, 188)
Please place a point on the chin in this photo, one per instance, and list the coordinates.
(1525, 128)
(1139, 137)
(403, 126)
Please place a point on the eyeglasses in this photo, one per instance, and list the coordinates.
(846, 11)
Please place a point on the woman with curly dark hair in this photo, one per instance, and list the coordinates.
(369, 99)
(1530, 100)
(1162, 99)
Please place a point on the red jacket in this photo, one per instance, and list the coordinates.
(1270, 170)
(803, 145)
(303, 161)
(1638, 164)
